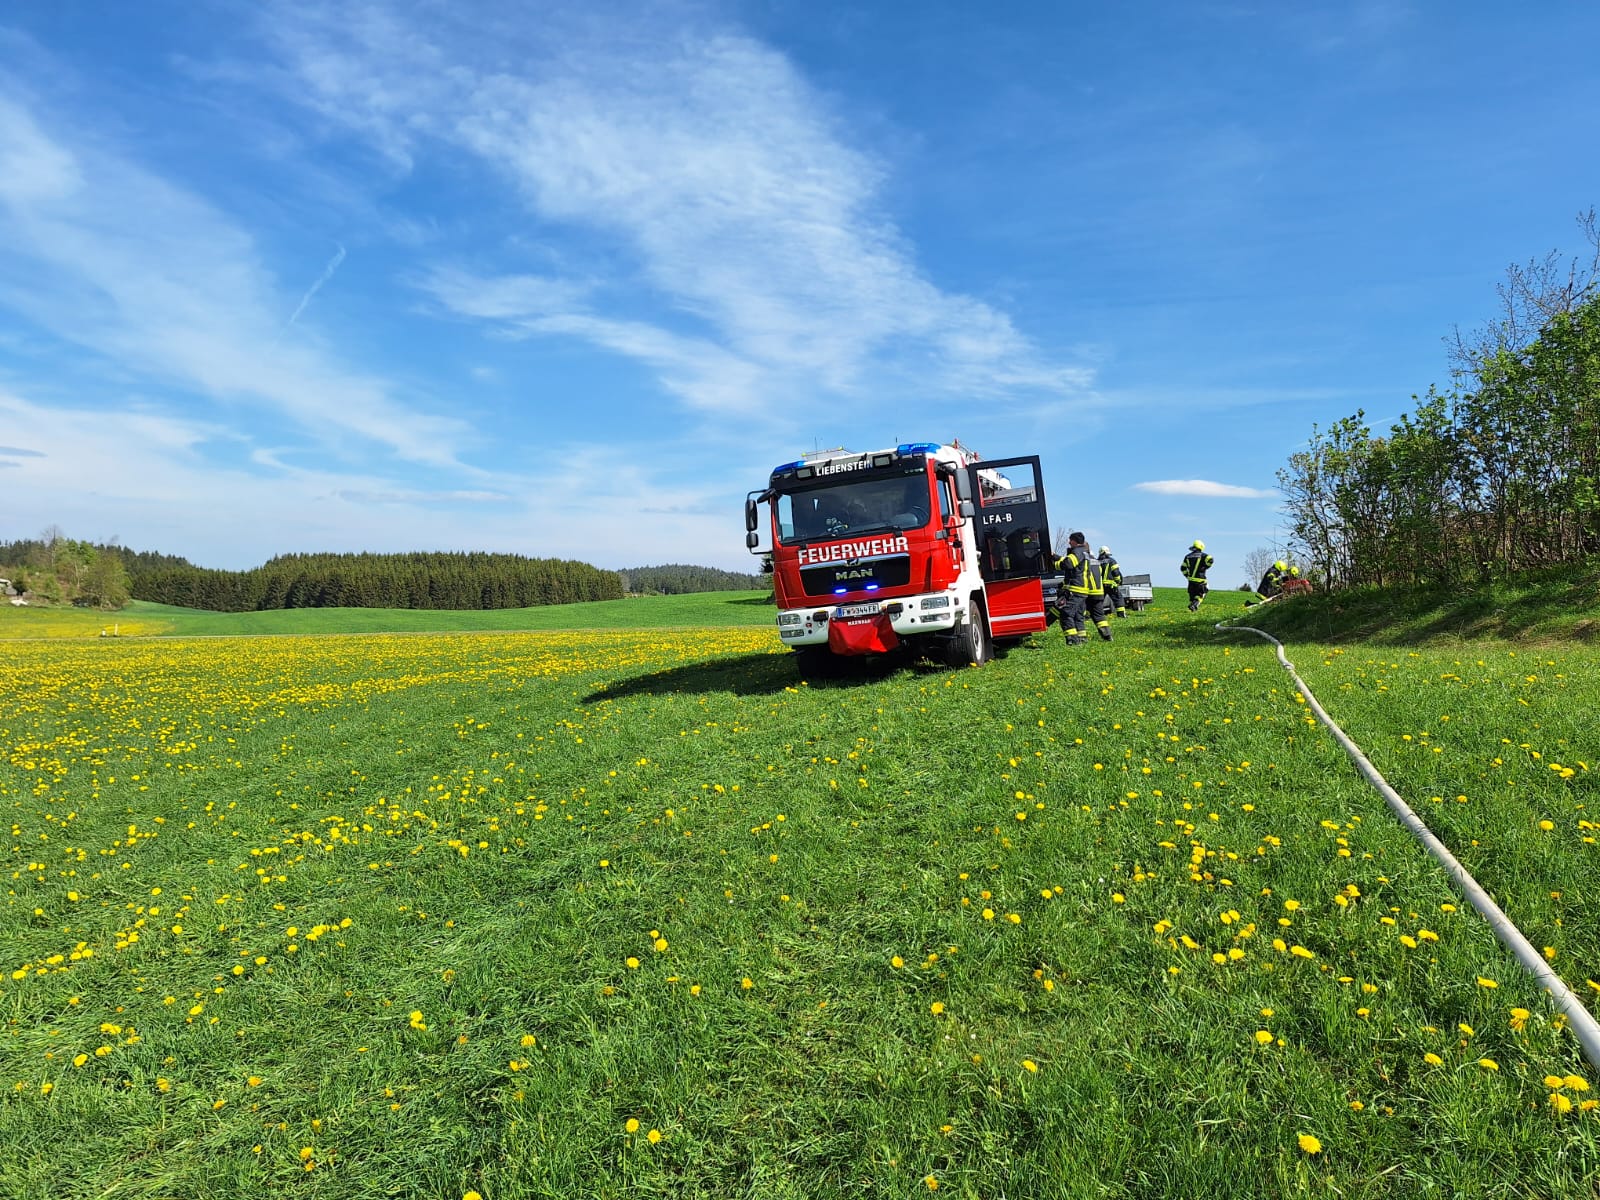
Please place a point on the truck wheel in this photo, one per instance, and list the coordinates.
(971, 642)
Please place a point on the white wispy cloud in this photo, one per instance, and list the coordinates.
(107, 255)
(327, 274)
(1203, 487)
(715, 167)
(415, 496)
(152, 480)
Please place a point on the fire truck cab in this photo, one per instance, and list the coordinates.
(923, 546)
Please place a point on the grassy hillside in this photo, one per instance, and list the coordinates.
(1561, 604)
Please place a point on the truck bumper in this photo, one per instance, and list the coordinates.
(907, 616)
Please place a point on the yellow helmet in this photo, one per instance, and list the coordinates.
(1281, 565)
(1197, 544)
(1294, 570)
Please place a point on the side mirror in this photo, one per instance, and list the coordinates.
(750, 518)
(967, 508)
(752, 539)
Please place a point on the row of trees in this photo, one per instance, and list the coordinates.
(1502, 472)
(678, 579)
(419, 580)
(61, 570)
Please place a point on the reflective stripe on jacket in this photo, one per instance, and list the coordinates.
(1195, 564)
(1110, 571)
(1080, 573)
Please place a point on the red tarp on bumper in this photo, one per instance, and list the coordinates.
(863, 635)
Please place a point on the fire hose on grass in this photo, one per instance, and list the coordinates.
(1579, 1019)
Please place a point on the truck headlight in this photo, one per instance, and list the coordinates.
(936, 602)
(789, 618)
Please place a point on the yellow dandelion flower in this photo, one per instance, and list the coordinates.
(1560, 1103)
(1577, 1083)
(632, 1125)
(1309, 1143)
(1554, 1081)
(1263, 1037)
(633, 963)
(936, 1007)
(1432, 1059)
(897, 962)
(1488, 1064)
(747, 983)
(654, 1135)
(1030, 1066)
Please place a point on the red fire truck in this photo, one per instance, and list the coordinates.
(921, 546)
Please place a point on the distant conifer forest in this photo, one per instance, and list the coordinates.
(56, 569)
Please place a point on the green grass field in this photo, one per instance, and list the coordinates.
(143, 619)
(627, 910)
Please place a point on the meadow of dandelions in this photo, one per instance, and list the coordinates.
(637, 912)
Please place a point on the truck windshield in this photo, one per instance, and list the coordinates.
(839, 510)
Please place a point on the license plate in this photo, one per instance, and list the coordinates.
(858, 610)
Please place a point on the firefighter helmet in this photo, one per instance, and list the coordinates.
(1106, 550)
(1281, 565)
(1197, 544)
(1295, 571)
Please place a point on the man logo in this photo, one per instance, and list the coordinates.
(862, 573)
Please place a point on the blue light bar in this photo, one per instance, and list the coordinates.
(871, 587)
(840, 591)
(905, 448)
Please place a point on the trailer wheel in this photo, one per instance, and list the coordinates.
(971, 642)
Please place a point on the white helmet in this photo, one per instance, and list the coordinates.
(1106, 550)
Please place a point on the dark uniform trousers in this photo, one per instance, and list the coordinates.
(1082, 596)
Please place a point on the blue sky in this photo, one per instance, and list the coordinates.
(570, 280)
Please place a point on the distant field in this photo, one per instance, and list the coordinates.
(630, 911)
(141, 619)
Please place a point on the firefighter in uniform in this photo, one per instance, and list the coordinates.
(1271, 581)
(1111, 574)
(1082, 592)
(1194, 567)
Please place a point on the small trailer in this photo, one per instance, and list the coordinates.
(1136, 591)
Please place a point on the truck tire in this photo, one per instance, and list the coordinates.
(971, 642)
